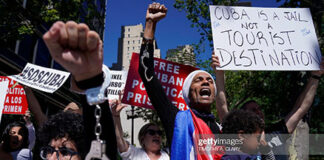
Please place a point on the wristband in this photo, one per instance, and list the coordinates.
(147, 40)
(91, 82)
(316, 77)
(97, 95)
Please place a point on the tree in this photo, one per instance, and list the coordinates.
(35, 17)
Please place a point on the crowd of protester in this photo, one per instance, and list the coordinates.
(69, 133)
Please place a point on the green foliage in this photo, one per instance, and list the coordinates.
(17, 21)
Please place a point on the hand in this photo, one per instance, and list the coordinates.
(321, 71)
(156, 12)
(117, 106)
(27, 116)
(263, 141)
(76, 48)
(215, 63)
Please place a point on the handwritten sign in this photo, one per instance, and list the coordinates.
(3, 92)
(247, 38)
(15, 101)
(117, 84)
(171, 76)
(41, 78)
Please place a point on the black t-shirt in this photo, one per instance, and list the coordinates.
(276, 136)
(165, 109)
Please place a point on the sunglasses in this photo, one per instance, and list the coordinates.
(153, 132)
(48, 151)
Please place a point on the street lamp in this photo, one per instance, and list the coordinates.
(130, 115)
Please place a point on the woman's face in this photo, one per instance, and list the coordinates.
(62, 148)
(16, 139)
(251, 142)
(152, 139)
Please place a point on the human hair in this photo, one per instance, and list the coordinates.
(6, 136)
(242, 120)
(143, 131)
(247, 103)
(254, 107)
(61, 125)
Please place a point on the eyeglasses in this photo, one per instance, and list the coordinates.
(153, 132)
(48, 151)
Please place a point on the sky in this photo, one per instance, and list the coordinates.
(172, 31)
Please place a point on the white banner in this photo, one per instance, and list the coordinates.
(3, 92)
(41, 78)
(117, 83)
(248, 38)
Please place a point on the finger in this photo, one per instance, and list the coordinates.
(83, 30)
(92, 40)
(63, 34)
(163, 8)
(72, 32)
(51, 39)
(120, 96)
(150, 8)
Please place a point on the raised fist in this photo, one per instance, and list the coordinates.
(156, 12)
(76, 48)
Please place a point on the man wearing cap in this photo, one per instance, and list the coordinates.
(199, 91)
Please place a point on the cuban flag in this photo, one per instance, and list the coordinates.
(186, 135)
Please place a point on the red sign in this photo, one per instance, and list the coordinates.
(16, 101)
(171, 75)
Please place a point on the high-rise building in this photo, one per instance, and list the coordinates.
(129, 42)
(183, 55)
(14, 53)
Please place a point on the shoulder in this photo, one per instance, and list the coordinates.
(165, 155)
(24, 154)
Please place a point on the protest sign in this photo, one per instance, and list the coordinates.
(3, 92)
(41, 78)
(117, 84)
(171, 76)
(248, 38)
(15, 101)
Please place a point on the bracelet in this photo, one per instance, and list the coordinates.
(91, 82)
(316, 77)
(147, 40)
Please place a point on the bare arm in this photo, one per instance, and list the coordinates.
(35, 107)
(79, 50)
(116, 108)
(221, 103)
(304, 101)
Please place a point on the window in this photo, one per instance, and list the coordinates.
(127, 48)
(128, 42)
(133, 41)
(128, 29)
(128, 35)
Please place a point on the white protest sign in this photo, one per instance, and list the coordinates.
(248, 38)
(3, 92)
(41, 78)
(117, 83)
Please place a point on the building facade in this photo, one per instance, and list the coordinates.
(129, 42)
(183, 55)
(30, 48)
